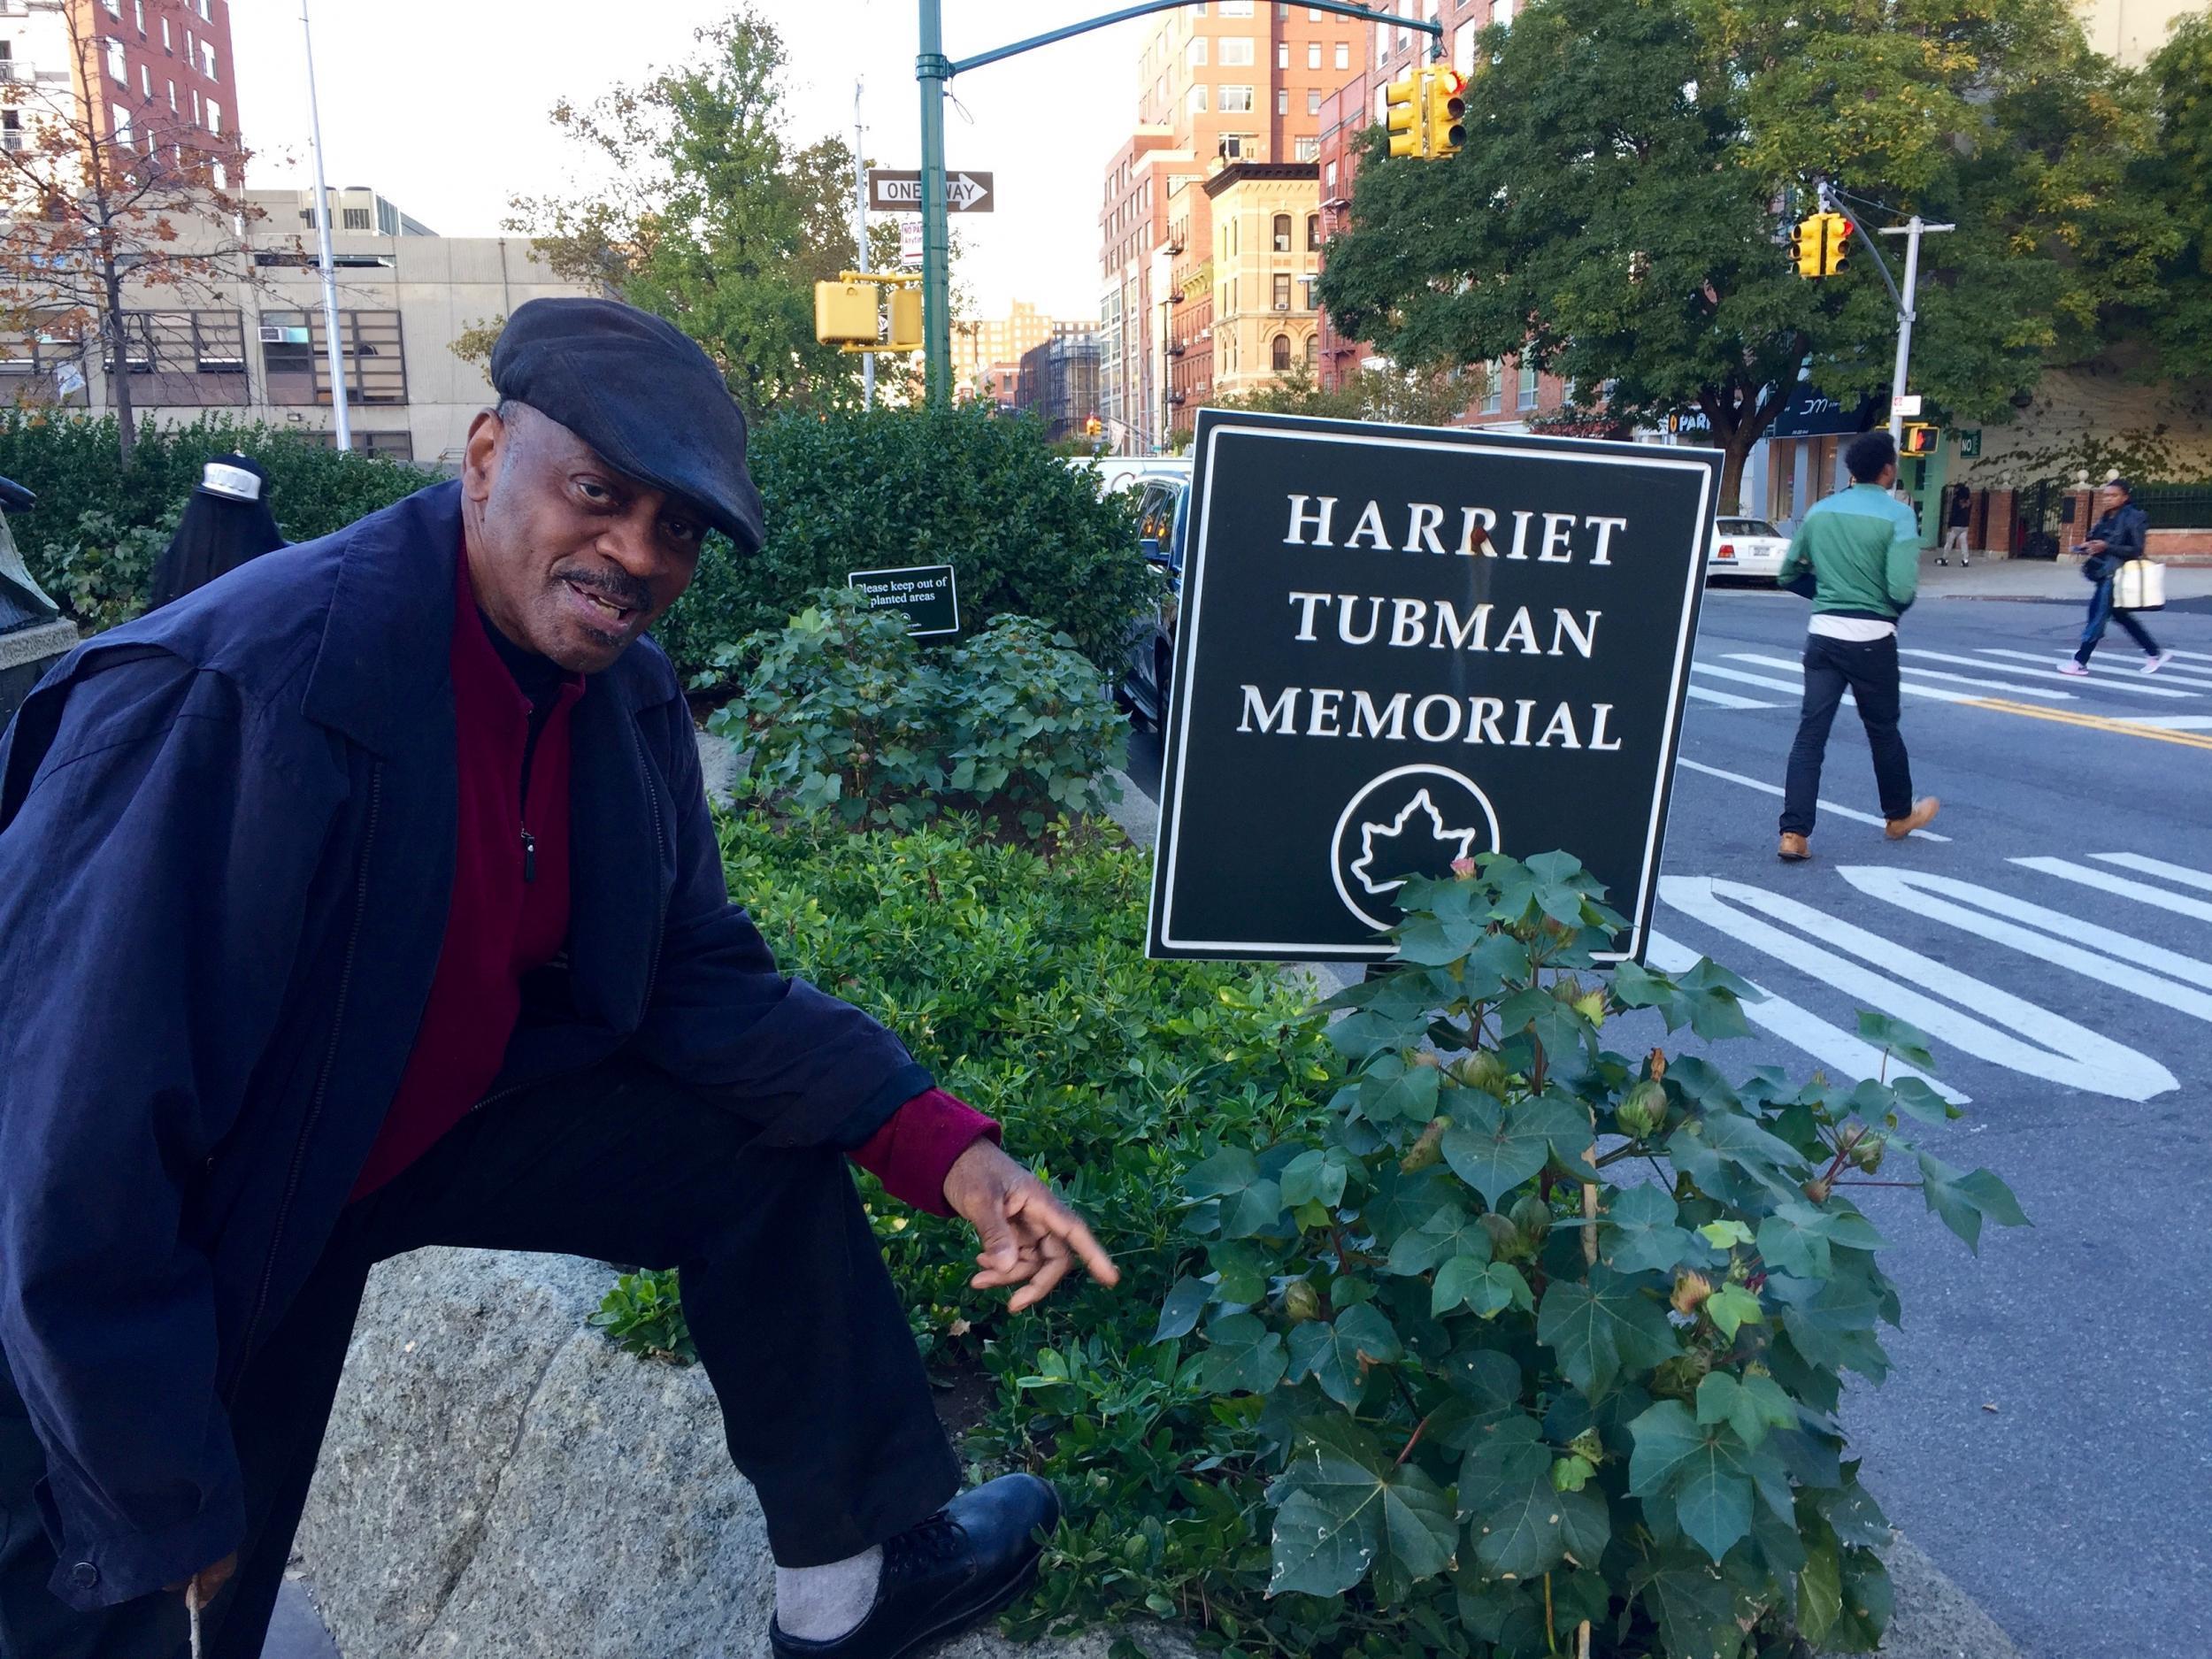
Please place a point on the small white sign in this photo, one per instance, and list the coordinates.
(910, 241)
(1908, 405)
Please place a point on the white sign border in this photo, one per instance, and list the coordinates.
(1159, 919)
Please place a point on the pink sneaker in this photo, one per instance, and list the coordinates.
(2070, 666)
(2158, 662)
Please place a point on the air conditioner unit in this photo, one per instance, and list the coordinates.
(1282, 305)
(270, 334)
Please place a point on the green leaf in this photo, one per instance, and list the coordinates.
(1703, 1468)
(1732, 1307)
(1639, 1234)
(1393, 1089)
(1787, 1246)
(1348, 1508)
(1820, 1589)
(1488, 1378)
(1664, 1437)
(1913, 1097)
(1710, 1149)
(1599, 1327)
(1495, 1160)
(1317, 1175)
(1695, 1610)
(1243, 1356)
(1435, 942)
(1487, 1288)
(1713, 1502)
(1178, 1314)
(1450, 1232)
(1908, 1043)
(1964, 1200)
(1242, 1269)
(1332, 1351)
(1751, 1405)
(1522, 1524)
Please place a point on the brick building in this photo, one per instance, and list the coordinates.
(151, 74)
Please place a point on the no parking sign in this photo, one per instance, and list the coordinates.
(1401, 646)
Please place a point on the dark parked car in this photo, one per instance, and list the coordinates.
(1163, 521)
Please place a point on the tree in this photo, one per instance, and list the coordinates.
(1618, 215)
(101, 205)
(709, 214)
(2178, 327)
(1420, 397)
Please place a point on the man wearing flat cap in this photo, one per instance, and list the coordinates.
(366, 899)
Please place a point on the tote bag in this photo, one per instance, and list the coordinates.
(2139, 585)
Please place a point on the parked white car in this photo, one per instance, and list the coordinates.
(1745, 547)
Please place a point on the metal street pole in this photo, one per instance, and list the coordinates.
(932, 69)
(860, 236)
(1912, 230)
(322, 222)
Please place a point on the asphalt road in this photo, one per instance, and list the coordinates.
(2046, 1435)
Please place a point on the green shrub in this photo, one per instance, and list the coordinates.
(850, 717)
(643, 1314)
(853, 490)
(70, 463)
(99, 575)
(1503, 1401)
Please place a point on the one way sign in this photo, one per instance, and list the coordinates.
(895, 190)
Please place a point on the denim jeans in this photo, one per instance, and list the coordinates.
(1868, 670)
(2101, 611)
(826, 1408)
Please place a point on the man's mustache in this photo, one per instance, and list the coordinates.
(626, 591)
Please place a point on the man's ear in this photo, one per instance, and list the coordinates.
(480, 455)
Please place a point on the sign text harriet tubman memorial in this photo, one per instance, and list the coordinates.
(1400, 647)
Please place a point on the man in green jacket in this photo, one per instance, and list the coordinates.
(1863, 548)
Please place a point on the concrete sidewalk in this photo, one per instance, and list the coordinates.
(2058, 578)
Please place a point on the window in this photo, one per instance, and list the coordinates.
(119, 124)
(1236, 52)
(1528, 386)
(204, 14)
(1502, 13)
(1195, 58)
(1282, 233)
(1236, 100)
(1305, 148)
(145, 83)
(1305, 292)
(138, 12)
(117, 67)
(207, 60)
(1313, 14)
(1313, 54)
(1197, 99)
(1332, 180)
(115, 7)
(167, 43)
(354, 218)
(1282, 54)
(1463, 49)
(214, 118)
(1282, 100)
(1313, 101)
(1343, 55)
(1313, 233)
(184, 357)
(1281, 295)
(297, 365)
(1236, 8)
(1278, 354)
(1493, 386)
(1382, 105)
(1312, 342)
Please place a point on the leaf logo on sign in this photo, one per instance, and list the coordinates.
(1404, 854)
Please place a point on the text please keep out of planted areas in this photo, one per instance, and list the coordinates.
(1375, 540)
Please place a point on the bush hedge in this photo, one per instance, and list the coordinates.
(982, 492)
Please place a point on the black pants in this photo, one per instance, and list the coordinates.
(1868, 670)
(824, 1405)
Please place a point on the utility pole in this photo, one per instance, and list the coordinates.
(1912, 230)
(860, 236)
(332, 350)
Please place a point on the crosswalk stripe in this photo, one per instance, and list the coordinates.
(2047, 936)
(2052, 694)
(1765, 787)
(2181, 873)
(1800, 1027)
(2105, 881)
(2198, 656)
(2174, 722)
(1701, 666)
(1726, 699)
(2100, 668)
(1907, 687)
(2000, 1028)
(2106, 682)
(2094, 722)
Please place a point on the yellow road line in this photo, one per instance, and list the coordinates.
(2095, 722)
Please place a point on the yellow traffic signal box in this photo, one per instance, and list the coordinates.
(1920, 438)
(845, 314)
(1404, 115)
(906, 319)
(1805, 248)
(1445, 107)
(1835, 244)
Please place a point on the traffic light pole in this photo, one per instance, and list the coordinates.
(932, 69)
(1912, 230)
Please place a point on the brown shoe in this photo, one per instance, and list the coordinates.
(1923, 814)
(1794, 848)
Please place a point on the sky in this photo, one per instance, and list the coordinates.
(440, 105)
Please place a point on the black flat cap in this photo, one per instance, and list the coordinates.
(642, 394)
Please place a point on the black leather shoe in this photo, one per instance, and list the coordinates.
(964, 1563)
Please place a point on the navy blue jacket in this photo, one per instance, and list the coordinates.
(226, 846)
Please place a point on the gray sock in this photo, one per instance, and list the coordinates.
(824, 1603)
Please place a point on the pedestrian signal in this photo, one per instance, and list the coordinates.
(1920, 438)
(906, 319)
(1401, 103)
(845, 313)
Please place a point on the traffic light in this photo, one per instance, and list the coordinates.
(1401, 103)
(906, 319)
(845, 313)
(1445, 106)
(1835, 244)
(1094, 427)
(1805, 246)
(1920, 438)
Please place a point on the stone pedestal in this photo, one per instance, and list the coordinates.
(25, 656)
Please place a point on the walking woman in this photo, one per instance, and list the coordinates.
(1957, 521)
(2112, 540)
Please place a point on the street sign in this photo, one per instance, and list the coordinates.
(895, 190)
(927, 593)
(909, 240)
(1908, 405)
(1404, 646)
(1970, 445)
